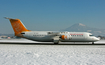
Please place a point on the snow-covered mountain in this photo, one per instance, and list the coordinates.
(79, 27)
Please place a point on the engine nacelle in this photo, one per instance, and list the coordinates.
(65, 37)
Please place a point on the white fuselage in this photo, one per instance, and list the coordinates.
(48, 36)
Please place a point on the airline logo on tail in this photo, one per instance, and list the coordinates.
(17, 25)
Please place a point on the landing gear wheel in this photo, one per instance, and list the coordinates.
(92, 42)
(55, 43)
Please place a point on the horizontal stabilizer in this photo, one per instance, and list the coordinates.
(7, 18)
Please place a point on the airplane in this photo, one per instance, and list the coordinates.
(50, 36)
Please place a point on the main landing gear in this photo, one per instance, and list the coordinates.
(56, 40)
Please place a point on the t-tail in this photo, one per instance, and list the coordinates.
(17, 26)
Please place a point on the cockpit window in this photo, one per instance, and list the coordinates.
(91, 35)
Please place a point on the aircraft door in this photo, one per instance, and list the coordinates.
(70, 37)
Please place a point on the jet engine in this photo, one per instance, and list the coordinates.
(65, 37)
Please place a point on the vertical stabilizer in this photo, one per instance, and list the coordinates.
(17, 26)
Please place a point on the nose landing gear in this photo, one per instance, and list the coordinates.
(92, 42)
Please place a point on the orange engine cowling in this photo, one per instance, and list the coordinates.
(65, 37)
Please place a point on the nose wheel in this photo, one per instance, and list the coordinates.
(92, 42)
(55, 43)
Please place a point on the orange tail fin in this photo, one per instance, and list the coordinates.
(17, 26)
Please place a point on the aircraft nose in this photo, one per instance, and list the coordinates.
(97, 39)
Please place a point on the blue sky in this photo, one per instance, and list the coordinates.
(53, 15)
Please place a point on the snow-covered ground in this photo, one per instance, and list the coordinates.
(21, 54)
